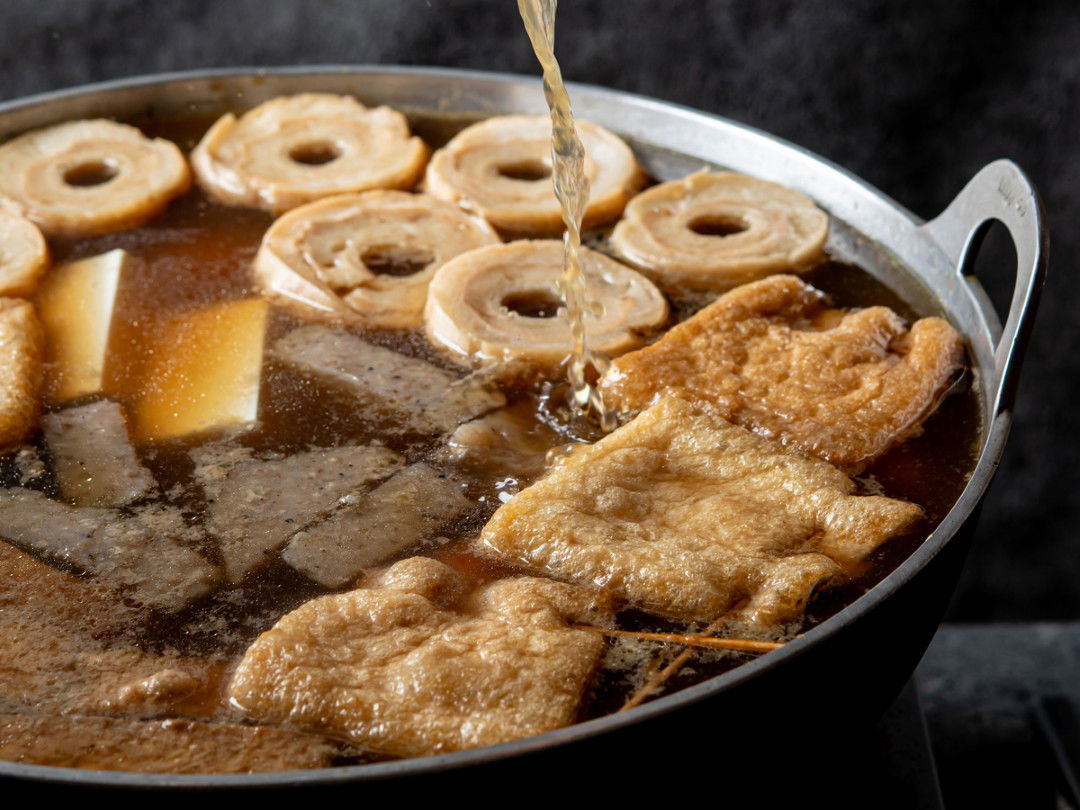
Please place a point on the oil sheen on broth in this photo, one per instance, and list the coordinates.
(198, 253)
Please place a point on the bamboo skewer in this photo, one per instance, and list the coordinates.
(657, 679)
(739, 644)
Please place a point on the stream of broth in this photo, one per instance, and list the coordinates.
(199, 252)
(572, 191)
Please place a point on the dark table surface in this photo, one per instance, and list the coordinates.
(914, 97)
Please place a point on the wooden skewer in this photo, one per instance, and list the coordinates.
(657, 678)
(660, 675)
(740, 644)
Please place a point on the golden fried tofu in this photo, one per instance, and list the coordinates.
(771, 357)
(421, 662)
(691, 517)
(22, 345)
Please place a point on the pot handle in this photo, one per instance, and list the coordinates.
(1002, 192)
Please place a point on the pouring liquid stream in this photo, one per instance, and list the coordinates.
(572, 191)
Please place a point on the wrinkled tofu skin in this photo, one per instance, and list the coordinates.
(419, 662)
(771, 357)
(689, 516)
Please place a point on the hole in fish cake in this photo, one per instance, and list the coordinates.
(717, 225)
(315, 153)
(533, 304)
(90, 173)
(392, 260)
(527, 171)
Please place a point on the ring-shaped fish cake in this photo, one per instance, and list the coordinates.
(502, 304)
(292, 150)
(501, 169)
(369, 255)
(91, 177)
(717, 230)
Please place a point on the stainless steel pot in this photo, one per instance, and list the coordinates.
(850, 666)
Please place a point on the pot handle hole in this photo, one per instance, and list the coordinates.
(1000, 192)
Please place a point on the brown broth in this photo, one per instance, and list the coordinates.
(199, 252)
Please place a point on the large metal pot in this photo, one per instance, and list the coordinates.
(850, 666)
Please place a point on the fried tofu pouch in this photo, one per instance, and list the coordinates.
(688, 516)
(770, 356)
(419, 661)
(22, 348)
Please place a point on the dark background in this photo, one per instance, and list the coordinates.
(914, 97)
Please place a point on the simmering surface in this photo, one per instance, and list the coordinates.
(198, 255)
